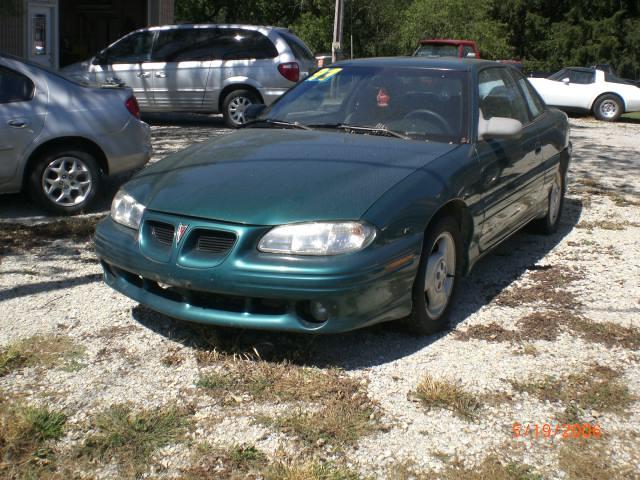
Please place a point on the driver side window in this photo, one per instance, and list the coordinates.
(134, 48)
(500, 97)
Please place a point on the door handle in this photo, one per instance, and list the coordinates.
(18, 123)
(161, 74)
(144, 75)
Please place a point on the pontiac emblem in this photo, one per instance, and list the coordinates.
(180, 232)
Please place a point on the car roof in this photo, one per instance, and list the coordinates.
(211, 25)
(443, 63)
(580, 69)
(446, 41)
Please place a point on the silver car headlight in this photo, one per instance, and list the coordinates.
(126, 211)
(318, 238)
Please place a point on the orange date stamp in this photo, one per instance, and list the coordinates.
(563, 431)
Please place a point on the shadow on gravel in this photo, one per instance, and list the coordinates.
(379, 344)
(47, 286)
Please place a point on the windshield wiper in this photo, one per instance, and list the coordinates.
(279, 123)
(361, 128)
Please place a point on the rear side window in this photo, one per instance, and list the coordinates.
(297, 46)
(14, 87)
(239, 44)
(500, 96)
(185, 44)
(134, 48)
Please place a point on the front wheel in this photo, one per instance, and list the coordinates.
(65, 181)
(608, 108)
(234, 106)
(438, 275)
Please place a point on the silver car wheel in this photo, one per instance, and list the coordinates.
(67, 181)
(608, 109)
(237, 106)
(555, 196)
(439, 279)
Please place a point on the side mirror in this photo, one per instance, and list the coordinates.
(471, 55)
(566, 81)
(253, 111)
(497, 127)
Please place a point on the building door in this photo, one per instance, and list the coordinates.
(43, 34)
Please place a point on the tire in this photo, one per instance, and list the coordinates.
(65, 181)
(608, 108)
(441, 255)
(234, 105)
(548, 224)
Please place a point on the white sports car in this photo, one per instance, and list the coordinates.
(589, 90)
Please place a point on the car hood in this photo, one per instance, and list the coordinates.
(271, 177)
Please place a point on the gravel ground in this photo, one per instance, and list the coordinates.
(526, 312)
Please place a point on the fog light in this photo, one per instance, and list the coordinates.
(319, 312)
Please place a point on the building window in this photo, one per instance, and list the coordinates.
(39, 41)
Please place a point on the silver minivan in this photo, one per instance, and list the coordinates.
(202, 68)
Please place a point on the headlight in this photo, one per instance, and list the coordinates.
(326, 238)
(126, 211)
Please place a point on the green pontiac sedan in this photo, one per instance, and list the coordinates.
(361, 196)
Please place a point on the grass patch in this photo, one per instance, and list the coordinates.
(339, 422)
(608, 333)
(491, 332)
(435, 393)
(599, 388)
(588, 460)
(277, 382)
(541, 325)
(18, 237)
(46, 351)
(548, 285)
(24, 435)
(310, 470)
(491, 468)
(129, 438)
(607, 225)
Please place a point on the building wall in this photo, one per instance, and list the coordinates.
(12, 30)
(161, 12)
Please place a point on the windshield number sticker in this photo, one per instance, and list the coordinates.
(324, 74)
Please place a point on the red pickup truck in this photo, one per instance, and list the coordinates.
(440, 47)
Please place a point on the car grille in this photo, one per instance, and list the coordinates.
(213, 241)
(162, 232)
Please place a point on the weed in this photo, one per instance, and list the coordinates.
(41, 350)
(588, 460)
(608, 333)
(129, 438)
(435, 393)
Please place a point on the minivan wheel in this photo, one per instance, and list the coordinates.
(234, 105)
(65, 181)
(438, 276)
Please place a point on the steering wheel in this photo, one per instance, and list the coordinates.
(429, 115)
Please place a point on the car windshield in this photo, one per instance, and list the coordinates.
(415, 103)
(437, 50)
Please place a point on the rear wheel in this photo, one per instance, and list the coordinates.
(234, 106)
(608, 108)
(65, 181)
(438, 275)
(555, 201)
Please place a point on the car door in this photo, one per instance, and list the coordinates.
(181, 61)
(573, 90)
(510, 165)
(22, 114)
(128, 61)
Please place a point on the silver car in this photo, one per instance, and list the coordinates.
(59, 138)
(202, 68)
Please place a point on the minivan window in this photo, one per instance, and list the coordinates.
(14, 87)
(185, 44)
(134, 48)
(239, 44)
(297, 46)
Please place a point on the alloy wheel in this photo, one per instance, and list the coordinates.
(67, 181)
(237, 106)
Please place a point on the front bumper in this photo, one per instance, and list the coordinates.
(250, 289)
